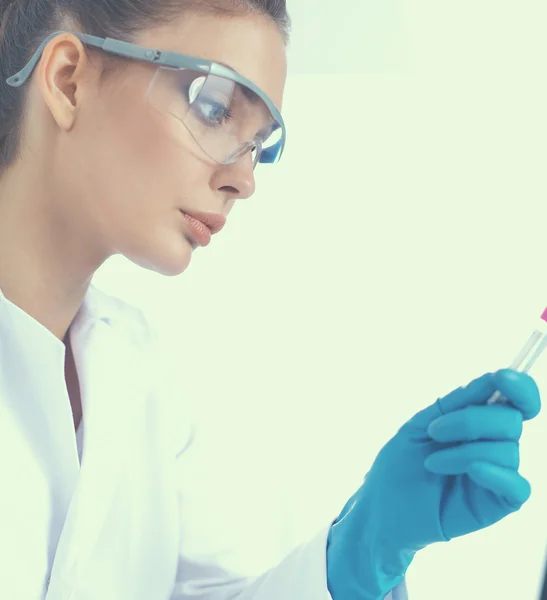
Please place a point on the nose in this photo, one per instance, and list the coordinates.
(237, 180)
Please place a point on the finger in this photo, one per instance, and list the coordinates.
(495, 422)
(520, 390)
(476, 392)
(457, 459)
(503, 482)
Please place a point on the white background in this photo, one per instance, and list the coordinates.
(397, 252)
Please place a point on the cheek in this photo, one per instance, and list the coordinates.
(163, 171)
(135, 159)
(143, 175)
(143, 144)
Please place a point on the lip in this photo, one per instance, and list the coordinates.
(203, 225)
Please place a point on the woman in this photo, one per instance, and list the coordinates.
(141, 149)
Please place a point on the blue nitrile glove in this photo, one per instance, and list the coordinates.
(449, 471)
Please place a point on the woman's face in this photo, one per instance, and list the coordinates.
(123, 171)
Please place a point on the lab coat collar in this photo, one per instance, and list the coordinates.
(94, 309)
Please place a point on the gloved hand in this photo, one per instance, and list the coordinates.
(449, 471)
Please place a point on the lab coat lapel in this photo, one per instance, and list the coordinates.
(110, 372)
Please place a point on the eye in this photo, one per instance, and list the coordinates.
(212, 113)
(209, 111)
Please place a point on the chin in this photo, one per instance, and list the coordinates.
(165, 261)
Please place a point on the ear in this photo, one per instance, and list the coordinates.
(61, 76)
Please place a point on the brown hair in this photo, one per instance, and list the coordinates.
(24, 24)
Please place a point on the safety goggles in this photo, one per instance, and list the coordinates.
(226, 114)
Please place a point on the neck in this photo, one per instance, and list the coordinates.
(45, 267)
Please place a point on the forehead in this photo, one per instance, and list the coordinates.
(249, 44)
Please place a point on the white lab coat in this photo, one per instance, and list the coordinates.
(141, 518)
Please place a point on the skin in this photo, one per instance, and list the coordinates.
(101, 174)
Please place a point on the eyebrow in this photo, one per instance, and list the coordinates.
(249, 94)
